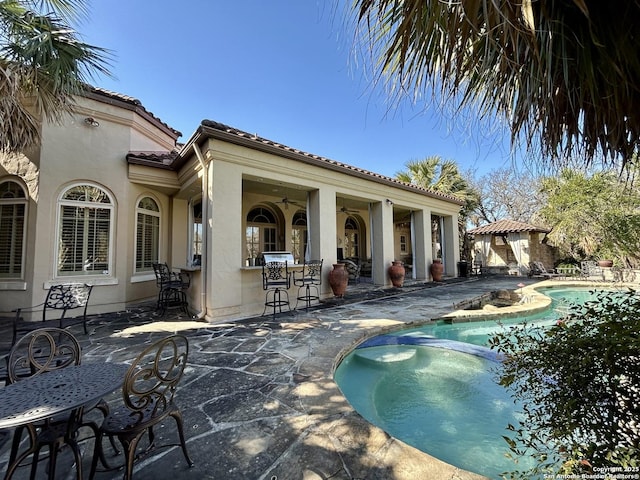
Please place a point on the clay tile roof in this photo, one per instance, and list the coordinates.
(506, 226)
(322, 161)
(162, 159)
(107, 96)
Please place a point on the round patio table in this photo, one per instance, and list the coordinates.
(43, 396)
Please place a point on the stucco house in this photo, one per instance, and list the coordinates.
(110, 191)
(507, 246)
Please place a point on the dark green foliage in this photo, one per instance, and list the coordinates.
(579, 382)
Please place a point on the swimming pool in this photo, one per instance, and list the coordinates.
(433, 387)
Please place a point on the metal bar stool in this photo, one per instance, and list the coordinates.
(276, 279)
(171, 288)
(310, 277)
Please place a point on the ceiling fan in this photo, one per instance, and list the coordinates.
(288, 202)
(347, 210)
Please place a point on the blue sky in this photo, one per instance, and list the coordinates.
(286, 70)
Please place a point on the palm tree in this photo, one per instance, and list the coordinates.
(43, 64)
(443, 176)
(565, 74)
(438, 175)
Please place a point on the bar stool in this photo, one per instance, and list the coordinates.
(171, 288)
(276, 279)
(310, 277)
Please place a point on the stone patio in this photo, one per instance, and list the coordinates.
(258, 396)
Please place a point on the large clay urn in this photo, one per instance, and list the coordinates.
(396, 273)
(436, 269)
(338, 279)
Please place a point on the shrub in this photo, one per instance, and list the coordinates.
(579, 384)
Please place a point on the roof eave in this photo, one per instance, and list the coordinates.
(205, 132)
(138, 109)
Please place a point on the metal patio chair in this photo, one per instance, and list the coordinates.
(276, 280)
(171, 288)
(60, 300)
(148, 400)
(310, 277)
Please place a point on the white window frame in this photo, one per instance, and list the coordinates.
(24, 200)
(299, 237)
(194, 244)
(267, 232)
(151, 213)
(107, 274)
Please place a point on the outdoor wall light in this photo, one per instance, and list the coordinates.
(92, 122)
(389, 202)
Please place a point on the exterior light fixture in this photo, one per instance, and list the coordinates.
(92, 122)
(389, 202)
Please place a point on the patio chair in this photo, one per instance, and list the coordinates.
(148, 395)
(60, 299)
(276, 280)
(591, 271)
(537, 269)
(171, 288)
(478, 269)
(310, 277)
(352, 268)
(38, 352)
(513, 269)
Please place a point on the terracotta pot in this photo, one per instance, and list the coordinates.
(605, 263)
(338, 279)
(436, 269)
(396, 273)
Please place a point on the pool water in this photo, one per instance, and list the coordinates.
(434, 388)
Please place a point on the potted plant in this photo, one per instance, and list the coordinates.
(605, 263)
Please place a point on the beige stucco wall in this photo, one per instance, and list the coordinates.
(73, 153)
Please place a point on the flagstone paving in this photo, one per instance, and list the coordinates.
(258, 395)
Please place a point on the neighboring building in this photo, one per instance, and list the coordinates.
(110, 191)
(506, 245)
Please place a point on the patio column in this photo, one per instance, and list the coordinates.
(451, 245)
(321, 218)
(382, 251)
(422, 248)
(225, 249)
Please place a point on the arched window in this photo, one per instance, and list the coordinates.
(13, 205)
(147, 234)
(261, 233)
(299, 236)
(85, 231)
(352, 238)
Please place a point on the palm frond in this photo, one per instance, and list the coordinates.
(45, 62)
(565, 75)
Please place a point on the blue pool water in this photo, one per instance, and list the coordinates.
(434, 388)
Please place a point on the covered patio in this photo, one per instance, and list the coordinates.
(236, 195)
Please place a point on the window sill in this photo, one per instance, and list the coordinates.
(91, 280)
(143, 277)
(18, 285)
